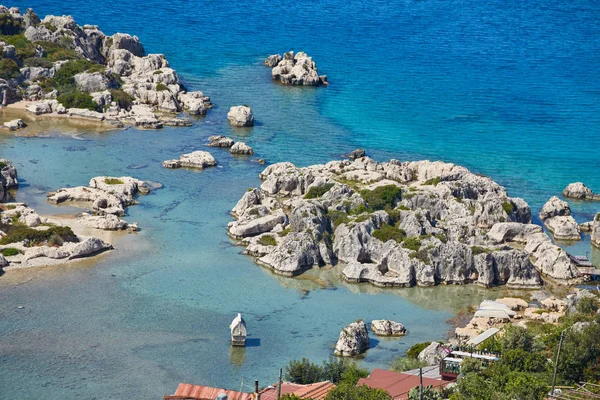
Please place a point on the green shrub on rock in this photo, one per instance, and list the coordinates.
(318, 191)
(113, 181)
(37, 62)
(9, 25)
(267, 240)
(412, 243)
(160, 87)
(19, 232)
(78, 99)
(508, 207)
(414, 351)
(382, 197)
(122, 98)
(388, 232)
(10, 251)
(9, 69)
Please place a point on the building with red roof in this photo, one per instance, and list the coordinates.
(397, 384)
(313, 391)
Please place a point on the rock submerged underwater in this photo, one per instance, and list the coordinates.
(395, 224)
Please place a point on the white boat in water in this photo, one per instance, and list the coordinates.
(238, 331)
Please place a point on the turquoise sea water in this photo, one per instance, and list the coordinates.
(508, 89)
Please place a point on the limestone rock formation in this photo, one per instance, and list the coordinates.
(15, 124)
(432, 354)
(107, 195)
(197, 159)
(579, 191)
(220, 141)
(117, 63)
(595, 235)
(556, 215)
(240, 116)
(385, 327)
(8, 175)
(353, 340)
(396, 224)
(295, 69)
(241, 148)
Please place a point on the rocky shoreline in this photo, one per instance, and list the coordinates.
(398, 224)
(64, 69)
(29, 240)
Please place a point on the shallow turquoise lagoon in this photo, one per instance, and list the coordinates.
(508, 89)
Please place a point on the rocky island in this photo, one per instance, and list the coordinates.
(28, 240)
(396, 224)
(295, 69)
(64, 69)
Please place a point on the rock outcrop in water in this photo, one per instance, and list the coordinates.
(385, 327)
(579, 191)
(240, 116)
(27, 240)
(8, 176)
(80, 72)
(556, 215)
(353, 340)
(295, 69)
(108, 197)
(197, 159)
(395, 224)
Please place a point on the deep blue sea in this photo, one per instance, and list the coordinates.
(510, 89)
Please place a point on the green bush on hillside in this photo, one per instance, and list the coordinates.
(382, 197)
(78, 99)
(10, 251)
(9, 25)
(414, 351)
(122, 98)
(9, 69)
(412, 243)
(389, 232)
(20, 232)
(37, 62)
(318, 191)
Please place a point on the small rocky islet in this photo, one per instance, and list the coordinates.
(64, 69)
(399, 224)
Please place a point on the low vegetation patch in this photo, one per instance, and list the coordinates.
(78, 99)
(382, 197)
(19, 232)
(318, 191)
(415, 349)
(64, 77)
(161, 87)
(38, 62)
(411, 243)
(9, 25)
(433, 181)
(389, 232)
(267, 240)
(10, 251)
(113, 181)
(508, 207)
(338, 217)
(9, 69)
(122, 98)
(480, 250)
(336, 370)
(406, 364)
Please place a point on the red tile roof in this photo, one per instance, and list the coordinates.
(397, 384)
(314, 391)
(197, 392)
